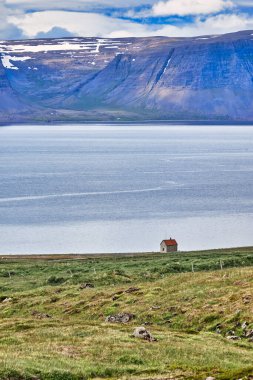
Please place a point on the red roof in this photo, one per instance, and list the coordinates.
(170, 242)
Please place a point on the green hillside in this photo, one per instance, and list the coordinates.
(198, 305)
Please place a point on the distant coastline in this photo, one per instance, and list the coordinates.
(142, 122)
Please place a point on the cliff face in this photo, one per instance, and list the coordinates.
(9, 100)
(201, 78)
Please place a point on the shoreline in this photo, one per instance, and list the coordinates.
(133, 123)
(86, 256)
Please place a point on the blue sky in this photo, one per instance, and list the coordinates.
(122, 18)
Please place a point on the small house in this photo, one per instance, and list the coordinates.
(167, 246)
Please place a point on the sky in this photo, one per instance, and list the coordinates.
(21, 19)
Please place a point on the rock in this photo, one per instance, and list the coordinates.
(247, 299)
(142, 333)
(249, 334)
(40, 315)
(233, 337)
(127, 291)
(210, 378)
(132, 290)
(155, 307)
(218, 328)
(86, 286)
(244, 325)
(117, 295)
(6, 300)
(120, 318)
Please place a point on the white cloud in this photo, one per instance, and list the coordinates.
(92, 25)
(8, 30)
(15, 23)
(190, 7)
(80, 24)
(213, 25)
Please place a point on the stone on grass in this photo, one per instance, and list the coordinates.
(40, 315)
(142, 333)
(120, 318)
(218, 329)
(132, 290)
(86, 286)
(155, 307)
(249, 334)
(233, 337)
(7, 300)
(244, 325)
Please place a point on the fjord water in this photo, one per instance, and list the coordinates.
(94, 188)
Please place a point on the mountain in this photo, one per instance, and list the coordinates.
(131, 79)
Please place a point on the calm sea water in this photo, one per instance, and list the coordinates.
(107, 188)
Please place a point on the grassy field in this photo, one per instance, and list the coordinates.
(53, 327)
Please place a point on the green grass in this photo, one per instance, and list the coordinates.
(52, 329)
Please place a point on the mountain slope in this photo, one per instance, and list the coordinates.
(200, 78)
(9, 100)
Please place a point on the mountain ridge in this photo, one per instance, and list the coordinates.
(208, 78)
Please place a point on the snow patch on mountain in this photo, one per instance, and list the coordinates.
(167, 65)
(6, 61)
(93, 46)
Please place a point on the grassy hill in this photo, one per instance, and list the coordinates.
(53, 325)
